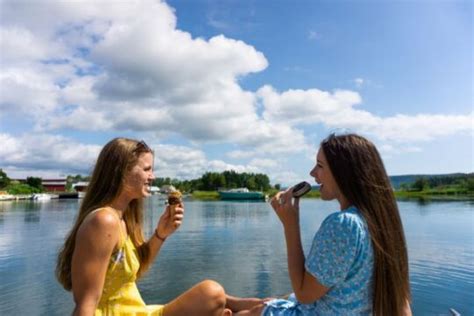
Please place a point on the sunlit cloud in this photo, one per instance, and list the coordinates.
(44, 152)
(126, 67)
(338, 110)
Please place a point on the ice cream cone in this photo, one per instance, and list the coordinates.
(174, 198)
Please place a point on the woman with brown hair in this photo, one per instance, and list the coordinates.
(105, 251)
(358, 262)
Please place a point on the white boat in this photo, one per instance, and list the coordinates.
(41, 197)
(80, 187)
(154, 190)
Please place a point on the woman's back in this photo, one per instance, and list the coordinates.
(342, 258)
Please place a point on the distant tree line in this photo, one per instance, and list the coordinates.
(70, 180)
(209, 181)
(461, 182)
(32, 185)
(4, 179)
(213, 181)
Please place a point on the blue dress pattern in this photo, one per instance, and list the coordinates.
(341, 258)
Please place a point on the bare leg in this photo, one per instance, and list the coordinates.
(237, 304)
(254, 311)
(206, 298)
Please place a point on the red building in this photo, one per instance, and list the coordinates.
(54, 185)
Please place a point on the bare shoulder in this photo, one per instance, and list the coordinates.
(102, 223)
(96, 239)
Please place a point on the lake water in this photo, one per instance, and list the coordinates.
(240, 245)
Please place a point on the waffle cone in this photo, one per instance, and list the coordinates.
(174, 197)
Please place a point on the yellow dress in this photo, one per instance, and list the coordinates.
(120, 295)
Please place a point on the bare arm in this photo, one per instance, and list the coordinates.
(407, 311)
(95, 241)
(307, 288)
(169, 222)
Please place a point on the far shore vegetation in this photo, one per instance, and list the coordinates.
(206, 187)
(451, 186)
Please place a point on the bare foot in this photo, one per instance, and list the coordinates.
(237, 304)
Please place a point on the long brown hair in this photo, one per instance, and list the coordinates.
(360, 174)
(115, 160)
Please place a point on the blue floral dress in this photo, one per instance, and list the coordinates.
(341, 258)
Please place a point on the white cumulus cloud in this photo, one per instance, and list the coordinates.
(125, 67)
(338, 110)
(47, 152)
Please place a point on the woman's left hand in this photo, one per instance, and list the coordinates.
(286, 207)
(170, 220)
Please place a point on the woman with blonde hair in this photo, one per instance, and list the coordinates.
(358, 263)
(105, 251)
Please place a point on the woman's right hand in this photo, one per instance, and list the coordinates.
(170, 220)
(286, 207)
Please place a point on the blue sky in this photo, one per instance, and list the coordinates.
(246, 85)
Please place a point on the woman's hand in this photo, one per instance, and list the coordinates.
(286, 207)
(170, 220)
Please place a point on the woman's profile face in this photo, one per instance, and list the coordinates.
(140, 178)
(322, 174)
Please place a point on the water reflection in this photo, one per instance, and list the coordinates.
(240, 245)
(224, 213)
(32, 211)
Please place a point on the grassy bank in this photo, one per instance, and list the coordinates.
(214, 195)
(449, 193)
(310, 194)
(425, 194)
(205, 195)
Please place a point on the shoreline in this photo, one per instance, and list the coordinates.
(399, 195)
(314, 194)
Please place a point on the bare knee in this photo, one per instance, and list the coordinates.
(213, 293)
(254, 311)
(257, 309)
(204, 299)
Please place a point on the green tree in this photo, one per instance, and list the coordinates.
(405, 186)
(211, 181)
(21, 188)
(251, 184)
(262, 182)
(420, 184)
(220, 181)
(4, 179)
(470, 184)
(34, 182)
(159, 182)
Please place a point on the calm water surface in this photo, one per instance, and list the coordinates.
(240, 245)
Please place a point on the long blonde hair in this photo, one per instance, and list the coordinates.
(360, 174)
(115, 160)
